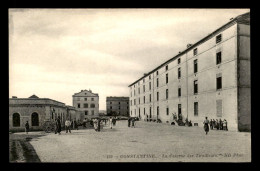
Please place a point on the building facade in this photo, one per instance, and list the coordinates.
(87, 103)
(210, 78)
(36, 111)
(118, 105)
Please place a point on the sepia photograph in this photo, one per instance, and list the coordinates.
(129, 85)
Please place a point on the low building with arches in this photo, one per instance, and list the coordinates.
(36, 111)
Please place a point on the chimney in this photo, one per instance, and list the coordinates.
(90, 91)
(14, 97)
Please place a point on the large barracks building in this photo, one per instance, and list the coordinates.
(209, 78)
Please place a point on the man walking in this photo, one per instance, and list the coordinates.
(206, 125)
(129, 122)
(68, 125)
(110, 122)
(211, 124)
(58, 125)
(27, 127)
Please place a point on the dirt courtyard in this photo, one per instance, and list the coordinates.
(148, 142)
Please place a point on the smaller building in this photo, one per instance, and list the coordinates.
(36, 111)
(86, 103)
(117, 105)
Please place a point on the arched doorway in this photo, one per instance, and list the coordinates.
(35, 119)
(16, 120)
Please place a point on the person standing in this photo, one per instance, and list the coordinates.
(129, 121)
(217, 124)
(27, 127)
(98, 125)
(68, 125)
(211, 124)
(214, 123)
(76, 124)
(225, 125)
(110, 122)
(206, 125)
(133, 122)
(58, 125)
(220, 124)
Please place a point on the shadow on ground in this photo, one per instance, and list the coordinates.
(20, 149)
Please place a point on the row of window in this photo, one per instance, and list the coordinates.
(17, 120)
(179, 74)
(86, 112)
(85, 99)
(196, 109)
(85, 105)
(118, 103)
(118, 107)
(195, 52)
(195, 90)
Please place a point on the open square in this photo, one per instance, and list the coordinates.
(147, 142)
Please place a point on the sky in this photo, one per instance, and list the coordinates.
(54, 53)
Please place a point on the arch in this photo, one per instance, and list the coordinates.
(35, 119)
(16, 120)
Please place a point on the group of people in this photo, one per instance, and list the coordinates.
(112, 122)
(131, 122)
(218, 124)
(97, 124)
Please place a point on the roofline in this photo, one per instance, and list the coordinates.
(225, 26)
(35, 99)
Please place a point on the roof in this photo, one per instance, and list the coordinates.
(41, 101)
(89, 91)
(242, 19)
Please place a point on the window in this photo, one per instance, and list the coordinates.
(196, 109)
(131, 93)
(219, 83)
(118, 102)
(85, 105)
(218, 58)
(179, 60)
(35, 119)
(110, 107)
(86, 112)
(179, 92)
(149, 77)
(157, 111)
(144, 88)
(166, 67)
(143, 80)
(134, 101)
(144, 110)
(219, 108)
(157, 72)
(144, 99)
(85, 99)
(195, 51)
(167, 111)
(134, 92)
(92, 112)
(110, 102)
(157, 82)
(150, 98)
(150, 112)
(139, 100)
(218, 38)
(195, 65)
(195, 86)
(92, 105)
(16, 120)
(138, 90)
(157, 96)
(166, 78)
(119, 107)
(131, 102)
(150, 85)
(126, 102)
(179, 73)
(78, 105)
(179, 109)
(166, 93)
(92, 99)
